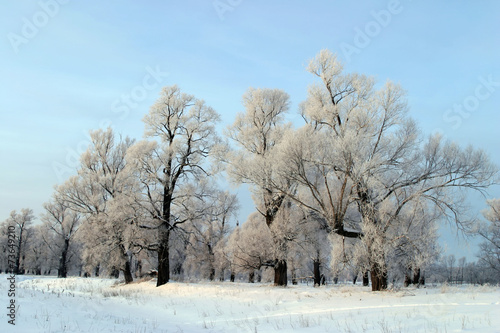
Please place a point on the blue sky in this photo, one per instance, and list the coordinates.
(68, 67)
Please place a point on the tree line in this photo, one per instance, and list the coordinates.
(356, 190)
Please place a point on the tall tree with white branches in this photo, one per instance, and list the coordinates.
(181, 129)
(257, 132)
(360, 149)
(102, 194)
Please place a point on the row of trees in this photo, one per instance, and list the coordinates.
(356, 188)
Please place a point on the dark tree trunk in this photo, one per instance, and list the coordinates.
(127, 272)
(366, 281)
(164, 239)
(221, 275)
(139, 268)
(251, 277)
(317, 273)
(127, 268)
(355, 279)
(164, 256)
(63, 264)
(17, 268)
(115, 273)
(22, 270)
(211, 275)
(416, 276)
(379, 277)
(231, 278)
(97, 270)
(280, 273)
(407, 280)
(280, 267)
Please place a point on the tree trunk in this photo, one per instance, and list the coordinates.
(379, 277)
(115, 273)
(317, 273)
(232, 277)
(211, 275)
(17, 268)
(127, 272)
(280, 273)
(139, 268)
(163, 257)
(63, 269)
(97, 269)
(416, 276)
(127, 268)
(164, 239)
(407, 280)
(251, 277)
(355, 279)
(366, 281)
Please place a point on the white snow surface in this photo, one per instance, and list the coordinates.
(103, 305)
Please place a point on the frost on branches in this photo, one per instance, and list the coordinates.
(489, 249)
(258, 132)
(181, 129)
(360, 151)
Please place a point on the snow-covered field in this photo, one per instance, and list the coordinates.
(101, 305)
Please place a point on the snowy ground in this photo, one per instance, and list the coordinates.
(100, 305)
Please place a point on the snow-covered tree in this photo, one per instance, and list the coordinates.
(182, 132)
(102, 193)
(257, 132)
(250, 246)
(37, 256)
(63, 223)
(360, 149)
(40, 259)
(210, 213)
(314, 241)
(23, 231)
(489, 249)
